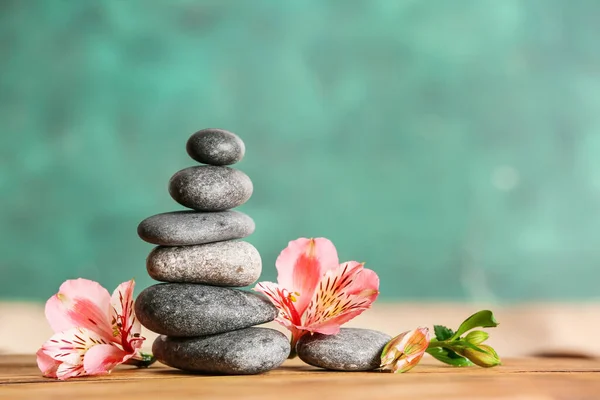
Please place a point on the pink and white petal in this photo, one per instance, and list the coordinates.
(327, 329)
(330, 292)
(285, 323)
(85, 288)
(272, 291)
(102, 358)
(121, 300)
(47, 364)
(124, 322)
(70, 346)
(66, 371)
(365, 284)
(320, 248)
(57, 314)
(332, 326)
(333, 304)
(282, 300)
(135, 340)
(80, 303)
(301, 265)
(78, 312)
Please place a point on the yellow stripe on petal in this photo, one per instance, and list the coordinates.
(311, 248)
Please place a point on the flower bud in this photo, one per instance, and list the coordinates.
(405, 350)
(477, 337)
(486, 358)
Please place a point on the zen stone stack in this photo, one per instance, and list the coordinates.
(205, 324)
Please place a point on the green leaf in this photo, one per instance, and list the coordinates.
(442, 333)
(141, 360)
(449, 357)
(481, 319)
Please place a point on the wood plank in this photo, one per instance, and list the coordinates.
(525, 378)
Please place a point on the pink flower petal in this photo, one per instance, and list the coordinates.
(365, 284)
(342, 294)
(47, 364)
(63, 354)
(66, 371)
(70, 346)
(280, 298)
(123, 318)
(301, 265)
(80, 303)
(332, 326)
(102, 358)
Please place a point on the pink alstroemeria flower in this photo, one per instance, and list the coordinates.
(314, 292)
(94, 332)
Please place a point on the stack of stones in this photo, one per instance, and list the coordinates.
(206, 325)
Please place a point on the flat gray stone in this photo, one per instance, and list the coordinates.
(210, 188)
(352, 349)
(188, 309)
(185, 228)
(221, 264)
(242, 352)
(215, 147)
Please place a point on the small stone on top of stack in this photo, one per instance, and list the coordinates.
(206, 325)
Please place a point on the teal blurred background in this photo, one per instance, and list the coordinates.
(451, 144)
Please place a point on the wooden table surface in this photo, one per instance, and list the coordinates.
(517, 379)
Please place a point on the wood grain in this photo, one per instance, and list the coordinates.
(520, 379)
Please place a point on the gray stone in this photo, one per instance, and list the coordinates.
(350, 350)
(215, 147)
(187, 309)
(222, 264)
(185, 228)
(242, 352)
(209, 188)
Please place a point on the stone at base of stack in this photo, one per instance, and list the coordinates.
(206, 325)
(245, 351)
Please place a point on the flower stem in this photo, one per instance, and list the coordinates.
(453, 345)
(442, 343)
(293, 354)
(293, 342)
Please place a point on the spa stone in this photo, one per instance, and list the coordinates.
(185, 228)
(187, 309)
(209, 188)
(215, 147)
(352, 349)
(241, 352)
(229, 263)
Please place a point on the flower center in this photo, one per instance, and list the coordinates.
(293, 297)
